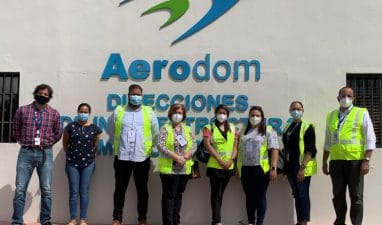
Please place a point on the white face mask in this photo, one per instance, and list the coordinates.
(255, 120)
(346, 102)
(221, 117)
(177, 118)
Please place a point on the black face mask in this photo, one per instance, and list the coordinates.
(42, 100)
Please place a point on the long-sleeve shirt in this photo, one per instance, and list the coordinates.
(291, 140)
(178, 149)
(30, 122)
(367, 129)
(132, 123)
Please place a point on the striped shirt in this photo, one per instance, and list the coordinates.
(30, 122)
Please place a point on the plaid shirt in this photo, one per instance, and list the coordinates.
(26, 121)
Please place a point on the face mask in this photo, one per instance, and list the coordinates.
(296, 114)
(254, 120)
(135, 99)
(221, 117)
(83, 116)
(346, 102)
(177, 118)
(42, 100)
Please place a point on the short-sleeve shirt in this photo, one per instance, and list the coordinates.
(251, 144)
(81, 139)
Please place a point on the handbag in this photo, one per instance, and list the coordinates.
(282, 163)
(202, 153)
(195, 173)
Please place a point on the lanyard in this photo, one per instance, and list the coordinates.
(38, 121)
(290, 131)
(341, 120)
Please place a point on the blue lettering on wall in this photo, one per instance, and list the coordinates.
(180, 70)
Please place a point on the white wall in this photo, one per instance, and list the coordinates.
(305, 49)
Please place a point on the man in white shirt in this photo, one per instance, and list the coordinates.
(349, 140)
(132, 129)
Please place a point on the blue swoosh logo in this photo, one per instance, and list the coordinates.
(218, 8)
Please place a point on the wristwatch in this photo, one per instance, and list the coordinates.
(302, 166)
(273, 168)
(367, 159)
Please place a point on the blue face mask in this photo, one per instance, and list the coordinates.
(135, 99)
(296, 114)
(83, 116)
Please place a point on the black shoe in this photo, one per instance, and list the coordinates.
(47, 223)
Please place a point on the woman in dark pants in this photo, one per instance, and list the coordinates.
(220, 138)
(257, 143)
(176, 145)
(299, 141)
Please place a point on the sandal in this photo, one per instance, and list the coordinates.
(72, 222)
(83, 222)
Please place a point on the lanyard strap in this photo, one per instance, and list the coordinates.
(38, 121)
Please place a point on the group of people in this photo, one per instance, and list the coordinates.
(252, 153)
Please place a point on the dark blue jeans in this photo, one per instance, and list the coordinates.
(27, 161)
(255, 185)
(79, 181)
(300, 192)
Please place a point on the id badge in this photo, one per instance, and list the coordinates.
(131, 136)
(182, 142)
(37, 141)
(335, 137)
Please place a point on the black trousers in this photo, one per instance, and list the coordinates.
(255, 185)
(122, 173)
(218, 182)
(346, 173)
(173, 186)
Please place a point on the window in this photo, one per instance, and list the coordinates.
(368, 93)
(9, 102)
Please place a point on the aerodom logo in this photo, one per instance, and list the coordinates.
(178, 8)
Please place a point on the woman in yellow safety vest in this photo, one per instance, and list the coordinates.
(299, 141)
(255, 168)
(220, 138)
(176, 145)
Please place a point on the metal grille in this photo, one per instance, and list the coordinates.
(9, 102)
(368, 93)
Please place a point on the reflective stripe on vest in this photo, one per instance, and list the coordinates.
(311, 166)
(223, 147)
(147, 114)
(348, 141)
(264, 154)
(164, 161)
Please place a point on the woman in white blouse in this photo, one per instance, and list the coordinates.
(257, 163)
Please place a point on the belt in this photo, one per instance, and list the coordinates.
(36, 147)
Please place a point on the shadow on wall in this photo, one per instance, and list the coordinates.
(6, 197)
(60, 188)
(196, 199)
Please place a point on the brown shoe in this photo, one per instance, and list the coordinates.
(142, 222)
(116, 222)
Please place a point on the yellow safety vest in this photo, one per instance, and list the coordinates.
(311, 166)
(264, 155)
(164, 161)
(348, 141)
(223, 147)
(147, 115)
